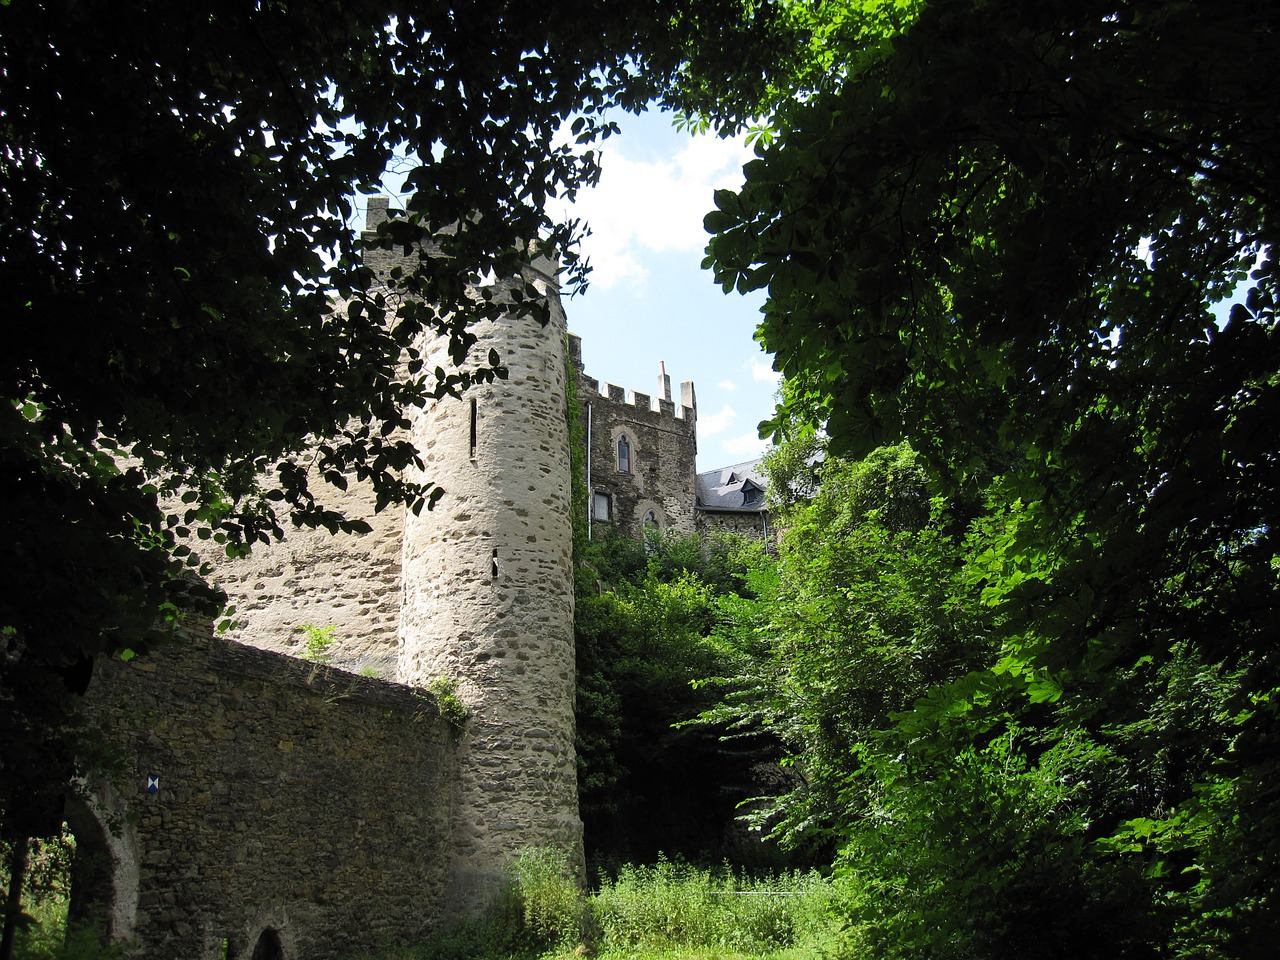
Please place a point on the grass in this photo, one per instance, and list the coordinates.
(47, 938)
(666, 911)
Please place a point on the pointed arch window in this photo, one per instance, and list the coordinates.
(624, 455)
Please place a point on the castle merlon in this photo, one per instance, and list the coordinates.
(591, 388)
(540, 268)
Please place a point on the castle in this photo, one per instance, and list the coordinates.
(274, 808)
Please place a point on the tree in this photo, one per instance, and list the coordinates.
(649, 783)
(865, 607)
(187, 312)
(1000, 230)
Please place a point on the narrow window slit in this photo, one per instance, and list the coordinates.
(473, 427)
(494, 567)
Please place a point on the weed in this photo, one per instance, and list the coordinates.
(452, 707)
(662, 912)
(550, 900)
(317, 641)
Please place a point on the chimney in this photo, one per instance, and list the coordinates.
(664, 382)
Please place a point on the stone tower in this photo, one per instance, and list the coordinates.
(487, 595)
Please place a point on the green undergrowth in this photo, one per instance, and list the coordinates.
(667, 911)
(45, 936)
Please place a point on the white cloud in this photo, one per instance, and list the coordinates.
(764, 373)
(744, 447)
(727, 385)
(717, 422)
(654, 206)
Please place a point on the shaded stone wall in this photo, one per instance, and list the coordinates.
(663, 442)
(291, 798)
(748, 523)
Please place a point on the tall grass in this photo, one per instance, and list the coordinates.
(665, 911)
(47, 936)
(671, 905)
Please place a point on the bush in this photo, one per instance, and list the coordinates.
(550, 900)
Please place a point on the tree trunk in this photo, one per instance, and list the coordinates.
(13, 903)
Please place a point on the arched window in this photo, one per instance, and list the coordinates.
(624, 455)
(651, 521)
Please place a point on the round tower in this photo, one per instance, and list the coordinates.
(488, 597)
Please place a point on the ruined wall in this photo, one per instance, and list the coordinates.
(291, 798)
(347, 581)
(662, 437)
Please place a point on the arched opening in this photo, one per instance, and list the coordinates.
(92, 878)
(104, 867)
(71, 886)
(268, 946)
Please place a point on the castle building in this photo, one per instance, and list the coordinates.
(640, 471)
(479, 589)
(734, 498)
(247, 767)
(486, 589)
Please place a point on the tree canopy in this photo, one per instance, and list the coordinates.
(185, 302)
(1008, 233)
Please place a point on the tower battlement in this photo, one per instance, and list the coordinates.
(642, 452)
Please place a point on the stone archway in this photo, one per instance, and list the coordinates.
(268, 946)
(104, 869)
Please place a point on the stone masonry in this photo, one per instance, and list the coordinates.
(649, 482)
(290, 801)
(488, 597)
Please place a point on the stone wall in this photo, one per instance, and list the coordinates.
(488, 597)
(663, 442)
(347, 581)
(296, 805)
(748, 523)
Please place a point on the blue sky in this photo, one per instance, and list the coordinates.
(649, 300)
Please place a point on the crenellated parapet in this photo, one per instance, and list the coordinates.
(643, 448)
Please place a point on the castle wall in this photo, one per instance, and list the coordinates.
(748, 523)
(663, 443)
(347, 581)
(291, 798)
(331, 811)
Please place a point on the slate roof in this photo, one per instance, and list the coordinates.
(739, 488)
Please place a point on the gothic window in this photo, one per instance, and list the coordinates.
(651, 521)
(624, 455)
(601, 507)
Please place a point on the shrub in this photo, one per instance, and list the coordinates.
(317, 641)
(550, 900)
